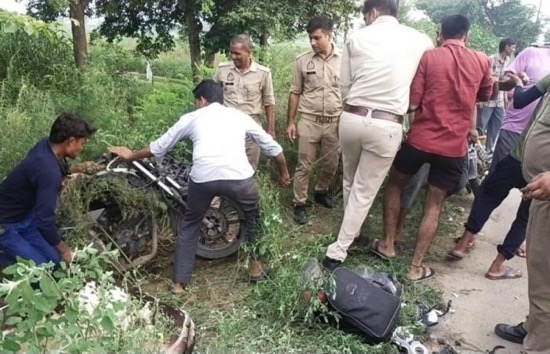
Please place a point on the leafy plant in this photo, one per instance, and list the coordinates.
(61, 310)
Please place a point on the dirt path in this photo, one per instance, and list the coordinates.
(480, 303)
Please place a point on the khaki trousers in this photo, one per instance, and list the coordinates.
(538, 267)
(253, 149)
(311, 135)
(368, 146)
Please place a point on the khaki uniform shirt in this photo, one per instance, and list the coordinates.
(537, 142)
(249, 92)
(317, 81)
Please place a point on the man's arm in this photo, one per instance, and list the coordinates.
(47, 186)
(296, 88)
(523, 98)
(486, 86)
(345, 72)
(162, 145)
(418, 86)
(293, 101)
(268, 98)
(268, 146)
(473, 135)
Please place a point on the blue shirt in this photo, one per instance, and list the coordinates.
(32, 188)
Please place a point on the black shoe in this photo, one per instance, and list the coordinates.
(323, 199)
(331, 264)
(300, 215)
(514, 334)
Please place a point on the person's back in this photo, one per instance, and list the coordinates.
(218, 135)
(450, 79)
(18, 191)
(383, 59)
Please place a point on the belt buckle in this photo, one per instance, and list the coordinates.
(323, 120)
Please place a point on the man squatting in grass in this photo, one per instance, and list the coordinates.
(28, 195)
(220, 168)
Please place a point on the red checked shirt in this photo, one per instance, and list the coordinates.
(448, 82)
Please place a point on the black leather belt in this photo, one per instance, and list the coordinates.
(363, 111)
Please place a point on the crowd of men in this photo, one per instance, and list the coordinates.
(353, 103)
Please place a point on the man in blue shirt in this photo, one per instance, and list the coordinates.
(28, 195)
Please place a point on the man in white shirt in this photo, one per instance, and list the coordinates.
(220, 168)
(378, 65)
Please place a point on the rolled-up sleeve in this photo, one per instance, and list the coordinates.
(268, 96)
(345, 71)
(267, 144)
(168, 140)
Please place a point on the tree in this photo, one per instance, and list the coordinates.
(209, 25)
(76, 11)
(501, 18)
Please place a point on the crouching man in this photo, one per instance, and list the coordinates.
(28, 195)
(220, 168)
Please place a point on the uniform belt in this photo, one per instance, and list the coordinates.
(319, 119)
(378, 114)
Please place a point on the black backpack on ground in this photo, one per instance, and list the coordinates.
(366, 307)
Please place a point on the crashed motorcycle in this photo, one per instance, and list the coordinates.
(137, 237)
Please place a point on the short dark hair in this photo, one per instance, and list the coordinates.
(209, 90)
(454, 26)
(504, 43)
(69, 125)
(322, 22)
(386, 7)
(243, 39)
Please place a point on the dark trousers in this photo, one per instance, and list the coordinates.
(199, 197)
(23, 239)
(494, 189)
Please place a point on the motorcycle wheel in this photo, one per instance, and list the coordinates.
(222, 229)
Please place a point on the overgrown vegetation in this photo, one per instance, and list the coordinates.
(231, 316)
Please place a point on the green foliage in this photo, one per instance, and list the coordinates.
(31, 49)
(51, 309)
(492, 20)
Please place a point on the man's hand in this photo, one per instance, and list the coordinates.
(122, 151)
(67, 256)
(65, 252)
(518, 80)
(291, 132)
(473, 136)
(538, 188)
(284, 179)
(524, 78)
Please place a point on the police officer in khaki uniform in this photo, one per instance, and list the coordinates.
(248, 87)
(315, 94)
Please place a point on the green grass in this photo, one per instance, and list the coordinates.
(231, 315)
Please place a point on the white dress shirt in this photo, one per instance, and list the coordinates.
(379, 63)
(218, 134)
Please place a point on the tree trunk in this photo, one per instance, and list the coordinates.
(192, 22)
(77, 9)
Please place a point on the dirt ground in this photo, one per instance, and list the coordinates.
(478, 303)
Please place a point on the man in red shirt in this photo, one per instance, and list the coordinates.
(448, 82)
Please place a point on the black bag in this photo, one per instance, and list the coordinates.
(364, 306)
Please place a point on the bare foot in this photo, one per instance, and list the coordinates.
(388, 250)
(417, 273)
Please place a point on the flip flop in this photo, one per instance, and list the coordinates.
(427, 273)
(454, 255)
(373, 248)
(508, 274)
